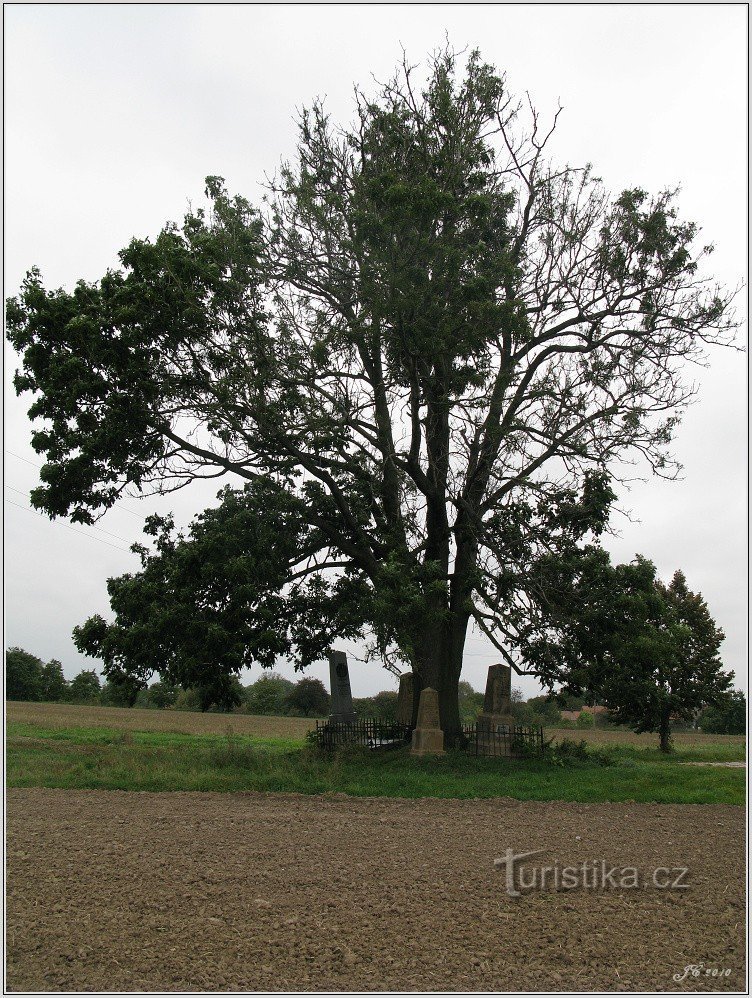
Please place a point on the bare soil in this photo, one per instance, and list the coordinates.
(115, 891)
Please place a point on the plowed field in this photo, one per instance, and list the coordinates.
(116, 891)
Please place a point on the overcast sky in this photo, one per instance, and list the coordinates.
(116, 113)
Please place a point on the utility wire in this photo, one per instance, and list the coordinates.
(91, 526)
(39, 466)
(75, 531)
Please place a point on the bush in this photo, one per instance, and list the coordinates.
(585, 720)
(569, 752)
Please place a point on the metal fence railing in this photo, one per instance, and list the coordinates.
(368, 732)
(507, 740)
(476, 739)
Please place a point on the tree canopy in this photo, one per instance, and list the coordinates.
(426, 353)
(616, 634)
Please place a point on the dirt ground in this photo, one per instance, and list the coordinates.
(115, 891)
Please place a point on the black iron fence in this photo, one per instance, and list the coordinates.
(482, 740)
(507, 740)
(368, 732)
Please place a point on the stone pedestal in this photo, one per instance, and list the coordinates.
(406, 698)
(428, 738)
(339, 684)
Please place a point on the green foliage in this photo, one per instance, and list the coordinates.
(541, 711)
(727, 717)
(23, 675)
(85, 687)
(188, 700)
(162, 694)
(420, 355)
(116, 695)
(382, 706)
(470, 703)
(648, 652)
(54, 685)
(308, 697)
(268, 695)
(585, 720)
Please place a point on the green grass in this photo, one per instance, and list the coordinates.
(712, 751)
(101, 758)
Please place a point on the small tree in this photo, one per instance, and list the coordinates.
(647, 651)
(85, 687)
(308, 696)
(23, 675)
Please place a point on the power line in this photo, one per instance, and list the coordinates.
(75, 531)
(39, 467)
(91, 526)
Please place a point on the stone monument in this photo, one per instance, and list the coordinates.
(497, 703)
(406, 698)
(339, 684)
(428, 738)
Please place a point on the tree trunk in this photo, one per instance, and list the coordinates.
(665, 733)
(438, 665)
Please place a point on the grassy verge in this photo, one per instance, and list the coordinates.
(101, 758)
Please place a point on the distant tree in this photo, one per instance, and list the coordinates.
(309, 696)
(268, 695)
(542, 711)
(23, 675)
(116, 695)
(727, 717)
(85, 687)
(385, 705)
(382, 706)
(188, 700)
(54, 685)
(648, 652)
(162, 694)
(470, 702)
(220, 692)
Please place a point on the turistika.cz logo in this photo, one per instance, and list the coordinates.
(590, 875)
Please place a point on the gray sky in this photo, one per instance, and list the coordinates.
(115, 114)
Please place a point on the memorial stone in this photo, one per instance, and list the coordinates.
(428, 738)
(341, 694)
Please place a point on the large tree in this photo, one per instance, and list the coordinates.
(429, 345)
